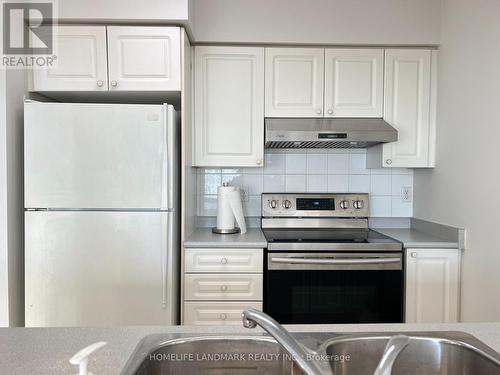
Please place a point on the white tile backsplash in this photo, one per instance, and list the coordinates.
(338, 183)
(275, 163)
(274, 183)
(208, 183)
(317, 164)
(357, 163)
(380, 206)
(295, 163)
(401, 208)
(254, 183)
(317, 183)
(207, 205)
(295, 183)
(380, 184)
(400, 181)
(233, 180)
(311, 171)
(359, 183)
(338, 163)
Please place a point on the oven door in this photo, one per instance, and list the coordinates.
(322, 288)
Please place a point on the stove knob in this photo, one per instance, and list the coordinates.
(273, 203)
(358, 204)
(287, 204)
(344, 204)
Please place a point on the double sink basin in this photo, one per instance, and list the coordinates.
(436, 353)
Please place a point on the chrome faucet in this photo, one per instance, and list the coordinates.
(394, 346)
(301, 355)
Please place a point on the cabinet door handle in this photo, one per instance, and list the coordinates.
(223, 288)
(114, 83)
(330, 111)
(318, 111)
(100, 83)
(258, 161)
(223, 260)
(413, 254)
(223, 316)
(388, 161)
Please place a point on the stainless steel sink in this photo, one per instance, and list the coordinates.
(431, 353)
(156, 354)
(428, 353)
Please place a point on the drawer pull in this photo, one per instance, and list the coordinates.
(223, 260)
(223, 288)
(223, 316)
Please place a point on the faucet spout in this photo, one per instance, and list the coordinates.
(394, 346)
(301, 355)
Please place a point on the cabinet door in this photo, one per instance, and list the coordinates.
(407, 106)
(432, 285)
(294, 82)
(229, 106)
(144, 58)
(80, 64)
(354, 80)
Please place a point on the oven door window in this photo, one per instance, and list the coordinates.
(338, 296)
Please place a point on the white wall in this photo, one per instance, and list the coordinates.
(16, 89)
(148, 10)
(464, 188)
(318, 21)
(12, 89)
(4, 291)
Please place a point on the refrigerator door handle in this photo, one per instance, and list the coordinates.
(167, 194)
(167, 239)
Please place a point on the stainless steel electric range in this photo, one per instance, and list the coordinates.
(324, 265)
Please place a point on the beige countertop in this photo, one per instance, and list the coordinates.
(44, 351)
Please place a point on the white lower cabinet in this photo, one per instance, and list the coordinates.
(432, 285)
(219, 283)
(223, 287)
(216, 313)
(202, 260)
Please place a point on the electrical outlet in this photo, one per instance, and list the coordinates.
(406, 194)
(244, 193)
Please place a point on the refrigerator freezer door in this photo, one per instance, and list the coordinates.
(100, 268)
(102, 156)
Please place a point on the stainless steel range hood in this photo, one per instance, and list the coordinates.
(289, 133)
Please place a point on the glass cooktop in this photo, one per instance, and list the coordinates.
(326, 236)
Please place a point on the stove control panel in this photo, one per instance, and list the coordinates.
(314, 205)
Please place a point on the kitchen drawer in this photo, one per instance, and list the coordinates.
(241, 287)
(223, 260)
(216, 313)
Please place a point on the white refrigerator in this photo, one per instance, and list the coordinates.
(101, 214)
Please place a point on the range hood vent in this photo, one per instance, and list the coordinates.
(295, 133)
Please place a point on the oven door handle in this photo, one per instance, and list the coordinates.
(291, 260)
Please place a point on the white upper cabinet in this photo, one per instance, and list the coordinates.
(409, 106)
(432, 285)
(81, 61)
(229, 106)
(354, 82)
(144, 58)
(100, 58)
(294, 82)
